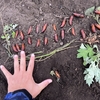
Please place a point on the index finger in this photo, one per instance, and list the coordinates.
(22, 61)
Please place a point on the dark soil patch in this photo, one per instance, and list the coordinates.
(32, 12)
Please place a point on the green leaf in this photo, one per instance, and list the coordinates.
(92, 59)
(87, 61)
(88, 79)
(90, 73)
(82, 46)
(85, 52)
(13, 34)
(97, 75)
(90, 51)
(89, 11)
(52, 73)
(2, 37)
(9, 28)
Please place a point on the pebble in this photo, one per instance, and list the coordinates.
(23, 5)
(28, 7)
(50, 4)
(61, 43)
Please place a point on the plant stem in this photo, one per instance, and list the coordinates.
(35, 53)
(48, 55)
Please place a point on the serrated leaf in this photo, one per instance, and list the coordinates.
(88, 52)
(88, 80)
(87, 61)
(89, 75)
(92, 72)
(82, 46)
(89, 11)
(97, 75)
(92, 59)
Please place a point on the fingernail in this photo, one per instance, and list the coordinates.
(50, 81)
(15, 55)
(22, 52)
(32, 55)
(1, 66)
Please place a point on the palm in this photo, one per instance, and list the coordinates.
(22, 78)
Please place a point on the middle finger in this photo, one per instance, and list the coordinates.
(22, 61)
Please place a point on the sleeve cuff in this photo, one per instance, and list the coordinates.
(21, 94)
(25, 92)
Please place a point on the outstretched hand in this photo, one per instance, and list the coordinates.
(22, 78)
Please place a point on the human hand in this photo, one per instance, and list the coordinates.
(22, 78)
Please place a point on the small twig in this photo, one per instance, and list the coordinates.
(79, 41)
(69, 48)
(46, 55)
(35, 53)
(59, 16)
(44, 58)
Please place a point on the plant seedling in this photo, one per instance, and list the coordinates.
(9, 32)
(91, 57)
(56, 74)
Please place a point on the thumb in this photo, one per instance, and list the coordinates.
(44, 84)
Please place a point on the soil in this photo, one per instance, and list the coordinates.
(25, 13)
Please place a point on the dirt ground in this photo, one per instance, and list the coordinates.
(32, 12)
